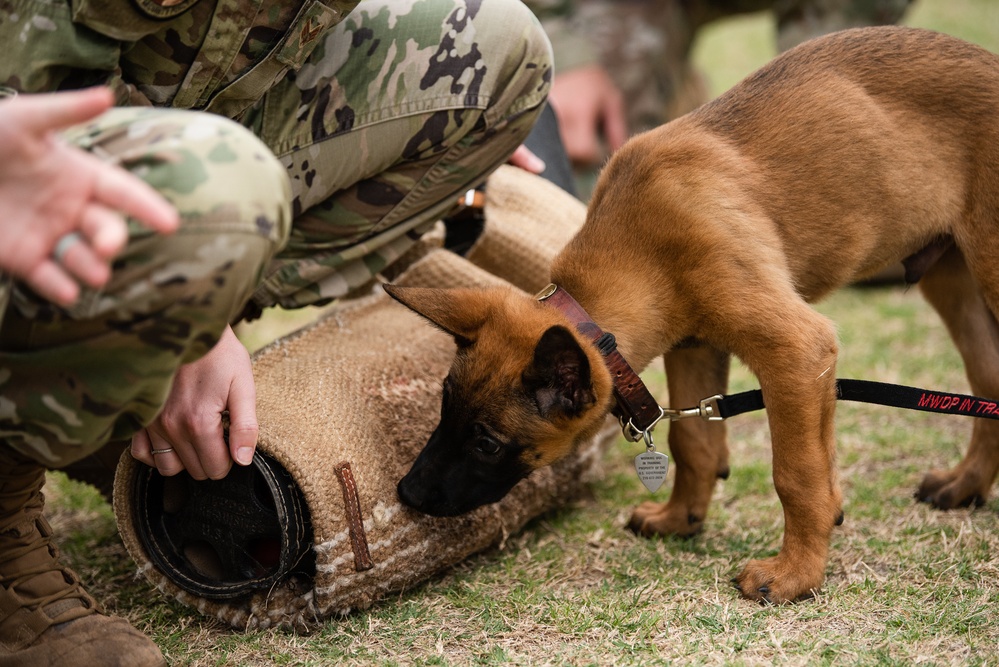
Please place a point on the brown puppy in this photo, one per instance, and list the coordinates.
(710, 236)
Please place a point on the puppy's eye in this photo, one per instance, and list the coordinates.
(487, 446)
(484, 443)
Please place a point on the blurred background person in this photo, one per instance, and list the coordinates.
(625, 66)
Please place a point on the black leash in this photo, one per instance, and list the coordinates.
(863, 391)
(639, 412)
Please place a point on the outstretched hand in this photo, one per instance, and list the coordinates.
(50, 189)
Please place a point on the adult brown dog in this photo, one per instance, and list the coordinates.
(710, 236)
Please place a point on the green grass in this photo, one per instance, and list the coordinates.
(906, 585)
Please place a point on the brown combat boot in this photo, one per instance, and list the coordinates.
(46, 618)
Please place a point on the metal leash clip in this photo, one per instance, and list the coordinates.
(707, 409)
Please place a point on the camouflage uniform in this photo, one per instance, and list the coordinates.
(646, 45)
(364, 125)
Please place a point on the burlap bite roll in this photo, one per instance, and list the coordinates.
(528, 220)
(360, 391)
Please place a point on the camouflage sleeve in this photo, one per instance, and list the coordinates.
(54, 46)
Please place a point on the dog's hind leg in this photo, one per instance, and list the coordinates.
(699, 448)
(954, 293)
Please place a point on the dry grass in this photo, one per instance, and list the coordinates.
(905, 584)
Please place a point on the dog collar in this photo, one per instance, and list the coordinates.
(634, 405)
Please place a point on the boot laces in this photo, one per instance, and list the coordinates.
(41, 540)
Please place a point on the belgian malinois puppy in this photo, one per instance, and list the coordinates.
(710, 236)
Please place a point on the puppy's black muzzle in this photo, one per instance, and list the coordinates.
(450, 478)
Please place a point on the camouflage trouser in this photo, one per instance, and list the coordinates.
(73, 379)
(428, 114)
(403, 107)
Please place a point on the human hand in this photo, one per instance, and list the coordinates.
(56, 196)
(187, 434)
(589, 107)
(524, 158)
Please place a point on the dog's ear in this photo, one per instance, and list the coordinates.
(559, 375)
(459, 312)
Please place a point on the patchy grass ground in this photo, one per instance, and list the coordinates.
(905, 584)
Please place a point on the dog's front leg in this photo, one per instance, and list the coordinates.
(796, 370)
(700, 452)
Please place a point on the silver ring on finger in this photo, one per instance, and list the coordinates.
(165, 450)
(65, 242)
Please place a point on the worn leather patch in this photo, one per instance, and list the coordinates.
(163, 9)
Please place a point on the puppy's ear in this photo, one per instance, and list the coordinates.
(559, 375)
(459, 312)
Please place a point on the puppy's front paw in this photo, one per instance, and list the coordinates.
(652, 518)
(949, 489)
(774, 581)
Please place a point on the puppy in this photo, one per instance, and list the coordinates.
(710, 236)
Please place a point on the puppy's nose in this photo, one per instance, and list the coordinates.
(410, 495)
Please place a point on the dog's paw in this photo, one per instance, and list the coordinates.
(947, 489)
(771, 581)
(652, 518)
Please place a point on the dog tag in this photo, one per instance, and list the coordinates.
(652, 467)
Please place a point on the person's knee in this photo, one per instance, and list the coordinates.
(512, 40)
(234, 201)
(215, 171)
(538, 48)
